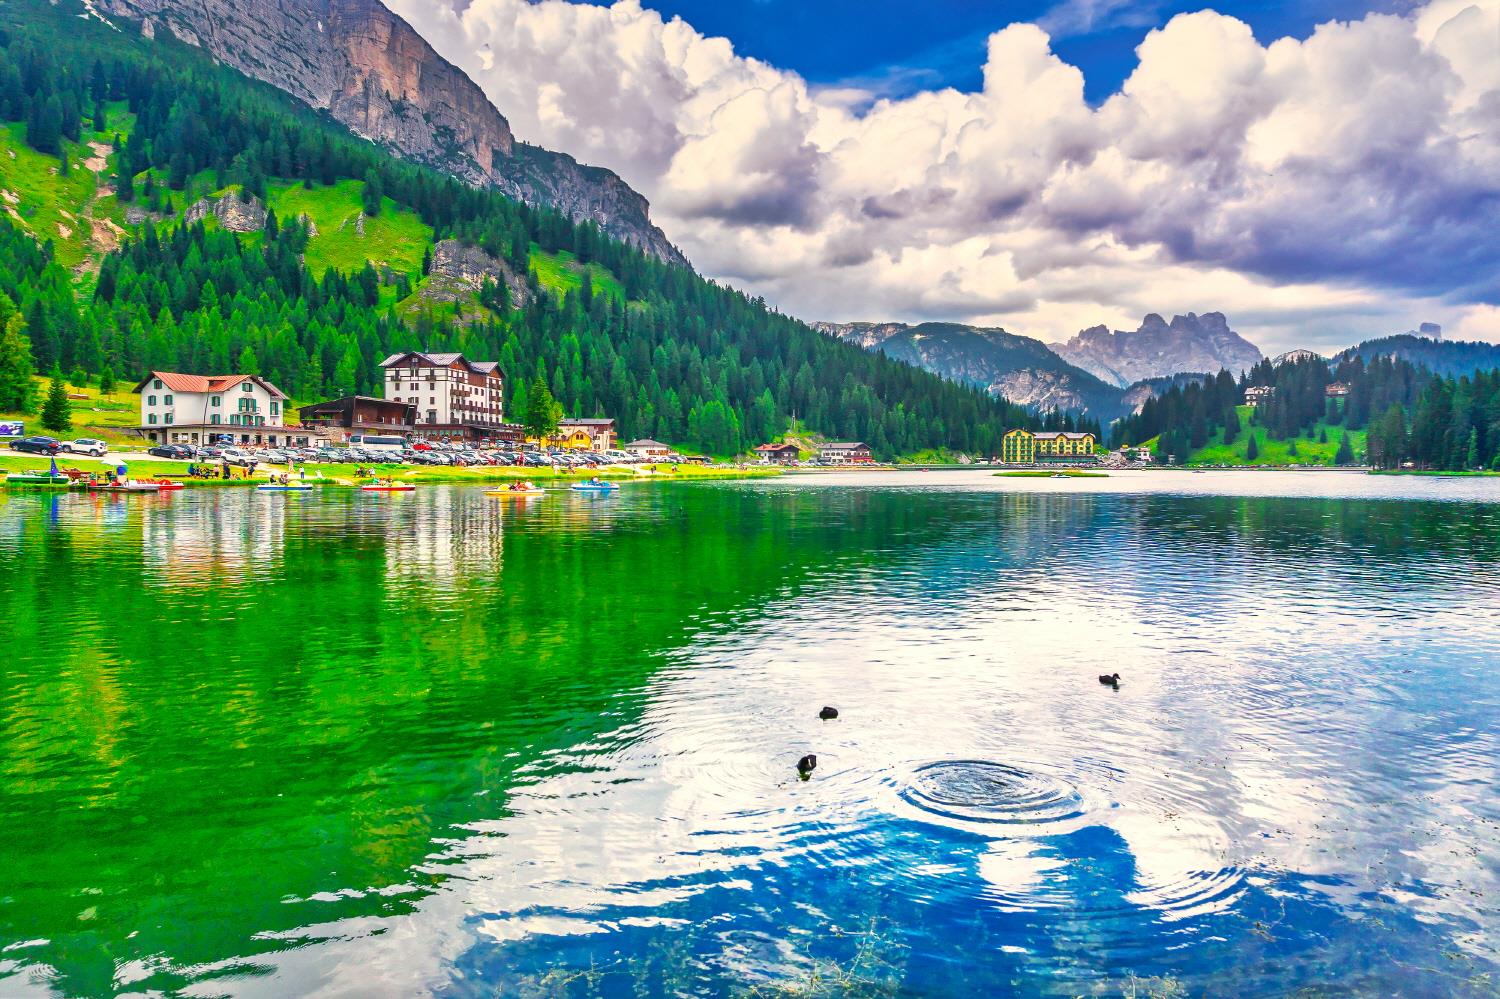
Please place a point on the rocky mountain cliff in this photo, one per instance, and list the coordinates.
(1158, 348)
(1018, 368)
(373, 73)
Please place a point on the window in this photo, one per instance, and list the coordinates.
(168, 419)
(151, 400)
(218, 399)
(275, 407)
(246, 387)
(156, 383)
(150, 417)
(214, 419)
(166, 400)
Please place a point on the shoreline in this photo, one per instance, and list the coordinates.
(342, 475)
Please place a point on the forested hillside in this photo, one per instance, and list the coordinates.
(1395, 413)
(113, 142)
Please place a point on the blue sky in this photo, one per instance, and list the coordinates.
(897, 47)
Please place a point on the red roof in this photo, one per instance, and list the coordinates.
(776, 447)
(206, 383)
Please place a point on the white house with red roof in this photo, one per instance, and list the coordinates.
(194, 409)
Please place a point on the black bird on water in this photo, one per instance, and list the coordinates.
(1110, 679)
(806, 764)
(828, 713)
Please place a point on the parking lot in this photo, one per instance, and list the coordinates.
(418, 454)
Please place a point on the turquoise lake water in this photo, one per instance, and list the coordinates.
(444, 744)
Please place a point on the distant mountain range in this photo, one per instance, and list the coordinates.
(1104, 374)
(374, 74)
(1158, 348)
(1019, 368)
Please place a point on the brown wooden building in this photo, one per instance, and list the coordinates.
(360, 414)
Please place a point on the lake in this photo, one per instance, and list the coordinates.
(447, 744)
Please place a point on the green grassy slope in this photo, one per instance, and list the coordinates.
(395, 238)
(561, 273)
(69, 210)
(1273, 452)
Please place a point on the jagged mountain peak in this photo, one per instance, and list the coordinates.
(1190, 342)
(376, 75)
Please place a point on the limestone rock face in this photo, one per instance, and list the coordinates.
(459, 270)
(1158, 348)
(378, 77)
(232, 213)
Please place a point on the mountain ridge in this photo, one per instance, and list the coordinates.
(1020, 369)
(375, 74)
(1191, 342)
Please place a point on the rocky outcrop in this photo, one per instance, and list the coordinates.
(459, 271)
(373, 73)
(1157, 348)
(232, 213)
(1018, 368)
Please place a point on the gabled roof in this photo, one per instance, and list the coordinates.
(646, 443)
(442, 360)
(855, 445)
(586, 422)
(206, 383)
(777, 447)
(333, 404)
(1071, 435)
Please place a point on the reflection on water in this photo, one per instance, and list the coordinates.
(447, 744)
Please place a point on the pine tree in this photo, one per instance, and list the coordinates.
(1291, 449)
(57, 411)
(44, 127)
(1252, 450)
(79, 378)
(247, 364)
(17, 389)
(1345, 454)
(107, 381)
(542, 410)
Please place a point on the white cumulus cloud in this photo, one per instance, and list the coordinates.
(1318, 190)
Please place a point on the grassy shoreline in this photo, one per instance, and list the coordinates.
(343, 474)
(1435, 473)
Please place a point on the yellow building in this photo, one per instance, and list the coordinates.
(581, 435)
(1024, 447)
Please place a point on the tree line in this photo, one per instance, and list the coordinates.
(1411, 415)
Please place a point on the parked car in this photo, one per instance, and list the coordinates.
(37, 445)
(170, 451)
(235, 456)
(86, 445)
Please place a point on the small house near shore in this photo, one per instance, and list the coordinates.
(648, 448)
(848, 453)
(194, 409)
(777, 454)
